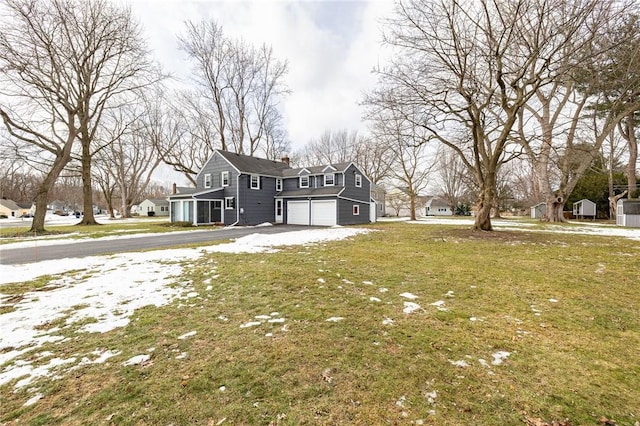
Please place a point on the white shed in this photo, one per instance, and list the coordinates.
(538, 211)
(584, 208)
(628, 213)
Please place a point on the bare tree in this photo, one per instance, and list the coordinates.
(132, 138)
(371, 154)
(453, 176)
(407, 143)
(240, 86)
(469, 67)
(63, 62)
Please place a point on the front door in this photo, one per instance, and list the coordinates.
(278, 210)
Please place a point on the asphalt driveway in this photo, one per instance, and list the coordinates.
(79, 249)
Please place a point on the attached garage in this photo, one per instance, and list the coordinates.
(324, 213)
(315, 212)
(298, 212)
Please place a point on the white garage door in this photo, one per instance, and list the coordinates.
(324, 213)
(298, 212)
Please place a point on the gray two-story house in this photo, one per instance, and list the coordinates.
(236, 189)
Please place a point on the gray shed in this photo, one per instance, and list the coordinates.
(584, 208)
(538, 211)
(628, 213)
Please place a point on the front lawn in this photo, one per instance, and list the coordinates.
(410, 324)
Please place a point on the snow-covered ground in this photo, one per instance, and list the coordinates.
(85, 290)
(81, 290)
(603, 229)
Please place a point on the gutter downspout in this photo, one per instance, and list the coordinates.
(237, 201)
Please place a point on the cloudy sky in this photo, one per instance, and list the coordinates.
(331, 48)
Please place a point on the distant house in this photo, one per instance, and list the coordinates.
(584, 208)
(437, 207)
(628, 213)
(236, 189)
(58, 205)
(538, 211)
(9, 208)
(398, 202)
(154, 207)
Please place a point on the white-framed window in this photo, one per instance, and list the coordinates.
(278, 184)
(224, 178)
(229, 203)
(358, 181)
(207, 180)
(356, 210)
(329, 179)
(255, 181)
(304, 181)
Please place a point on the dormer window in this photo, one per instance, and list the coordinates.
(255, 182)
(224, 178)
(329, 179)
(304, 181)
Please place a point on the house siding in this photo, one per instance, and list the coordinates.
(216, 165)
(258, 205)
(345, 212)
(351, 191)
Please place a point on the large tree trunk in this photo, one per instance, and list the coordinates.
(87, 187)
(555, 209)
(484, 206)
(630, 135)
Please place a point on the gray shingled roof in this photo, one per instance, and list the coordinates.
(316, 170)
(256, 165)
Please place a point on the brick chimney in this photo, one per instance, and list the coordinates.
(175, 188)
(285, 160)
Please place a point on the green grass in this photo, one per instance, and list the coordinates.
(566, 308)
(118, 227)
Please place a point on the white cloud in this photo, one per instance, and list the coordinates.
(331, 48)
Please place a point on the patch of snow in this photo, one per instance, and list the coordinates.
(33, 400)
(321, 280)
(367, 282)
(334, 319)
(449, 294)
(400, 402)
(262, 225)
(375, 299)
(250, 324)
(265, 243)
(262, 317)
(276, 320)
(460, 363)
(553, 300)
(387, 321)
(410, 307)
(473, 319)
(183, 355)
(383, 290)
(138, 359)
(439, 305)
(499, 356)
(186, 335)
(409, 296)
(431, 397)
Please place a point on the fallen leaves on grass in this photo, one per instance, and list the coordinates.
(536, 421)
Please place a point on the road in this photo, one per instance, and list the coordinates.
(15, 256)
